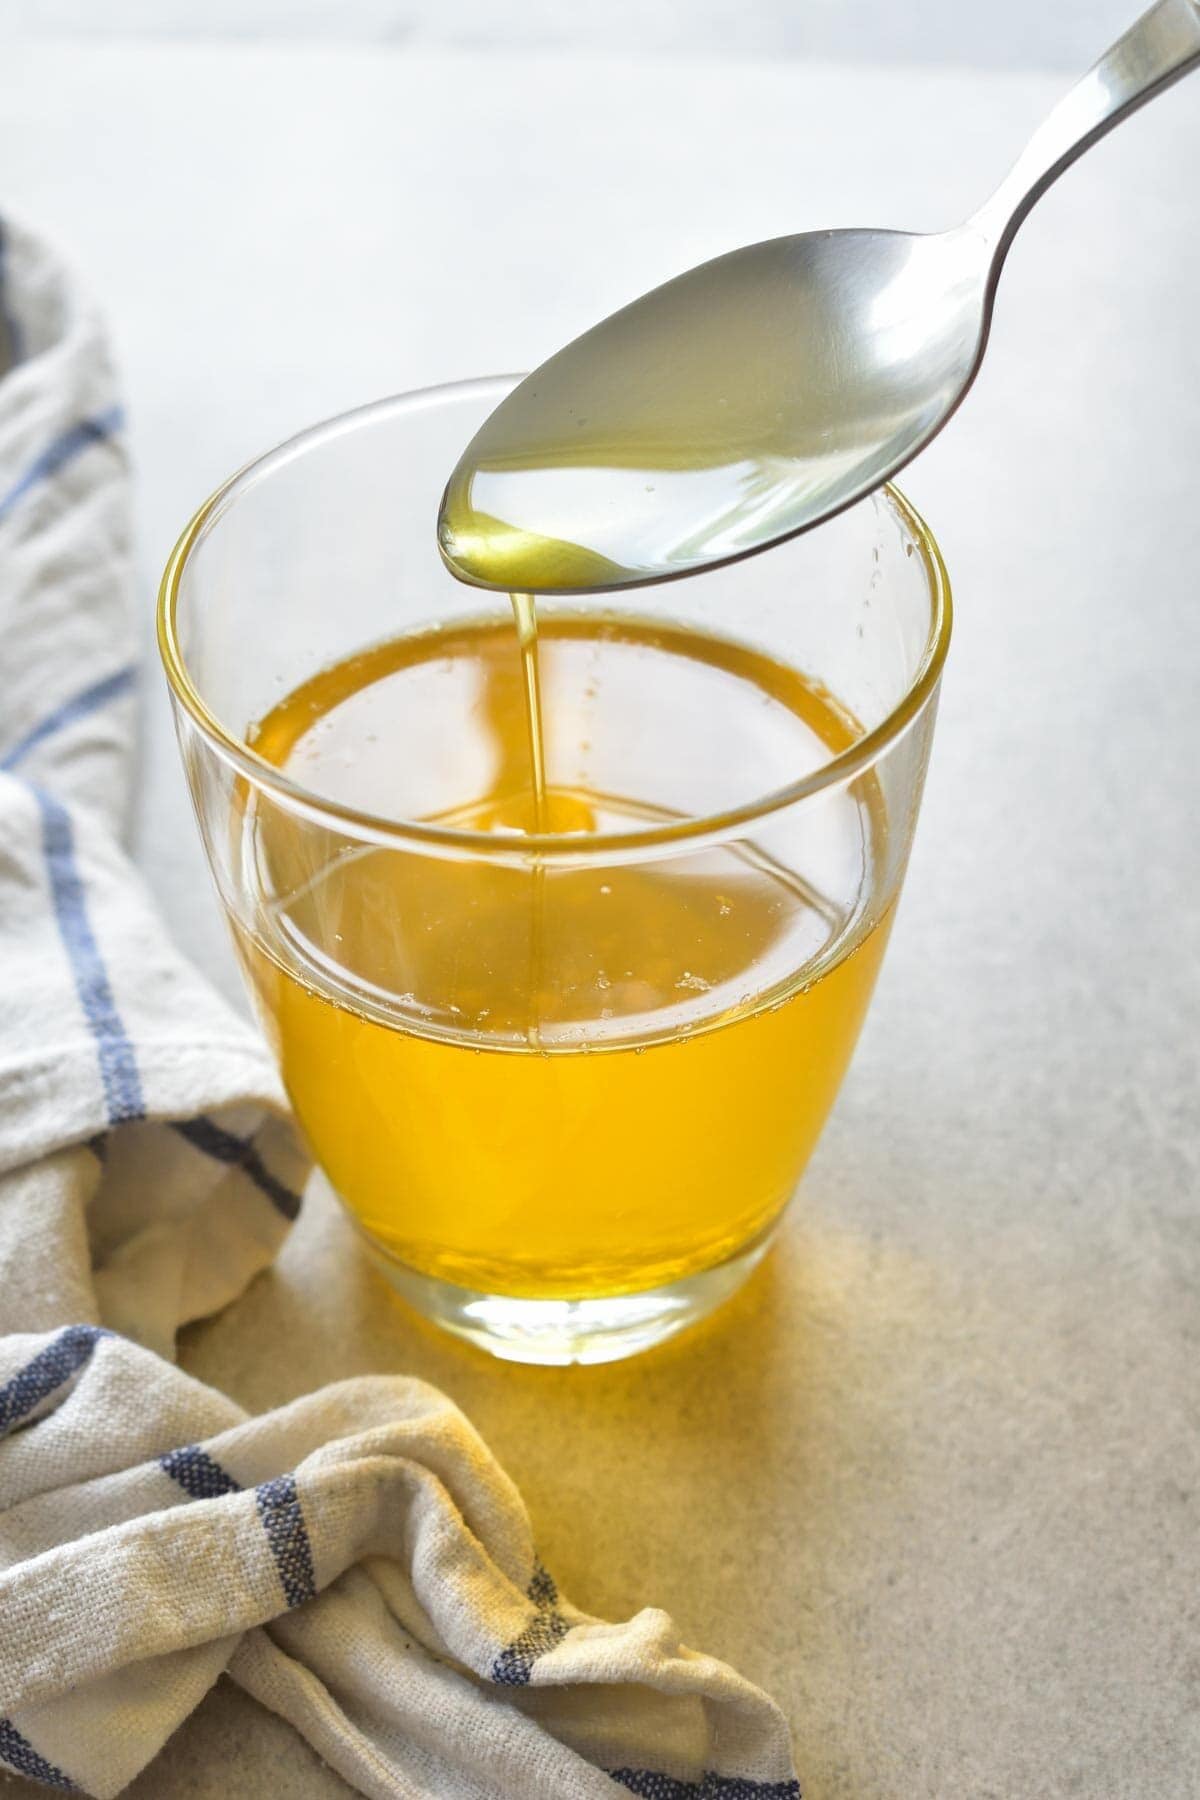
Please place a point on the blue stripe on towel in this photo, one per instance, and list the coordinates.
(542, 1589)
(202, 1477)
(8, 322)
(650, 1785)
(118, 1064)
(514, 1665)
(283, 1521)
(223, 1146)
(199, 1475)
(60, 451)
(89, 700)
(20, 1756)
(49, 1369)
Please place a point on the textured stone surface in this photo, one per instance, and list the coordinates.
(934, 1478)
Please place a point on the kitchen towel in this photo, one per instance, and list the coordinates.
(357, 1560)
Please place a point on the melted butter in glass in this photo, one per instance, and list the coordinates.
(480, 1051)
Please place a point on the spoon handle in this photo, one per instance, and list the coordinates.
(1163, 45)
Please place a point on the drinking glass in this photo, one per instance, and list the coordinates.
(566, 1080)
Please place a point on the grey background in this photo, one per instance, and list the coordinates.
(1025, 34)
(934, 1478)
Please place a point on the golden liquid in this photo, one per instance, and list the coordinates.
(540, 1080)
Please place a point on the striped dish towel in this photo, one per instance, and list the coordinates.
(356, 1561)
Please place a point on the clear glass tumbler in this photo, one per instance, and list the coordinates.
(564, 1067)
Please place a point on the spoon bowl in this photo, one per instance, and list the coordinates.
(731, 407)
(762, 392)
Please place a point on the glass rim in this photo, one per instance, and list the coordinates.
(557, 846)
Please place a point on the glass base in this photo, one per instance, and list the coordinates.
(555, 1333)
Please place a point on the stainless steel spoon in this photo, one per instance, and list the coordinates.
(764, 391)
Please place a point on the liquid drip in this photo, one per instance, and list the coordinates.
(525, 614)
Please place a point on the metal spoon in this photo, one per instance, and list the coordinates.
(764, 391)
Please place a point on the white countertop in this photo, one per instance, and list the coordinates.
(934, 1477)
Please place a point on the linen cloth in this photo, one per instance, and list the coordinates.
(357, 1561)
